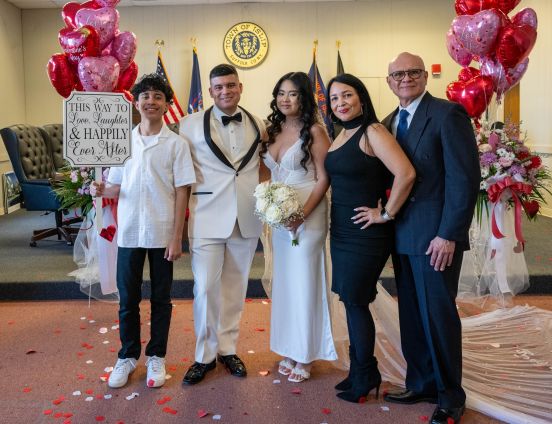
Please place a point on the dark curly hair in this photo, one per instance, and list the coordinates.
(307, 107)
(153, 82)
(369, 116)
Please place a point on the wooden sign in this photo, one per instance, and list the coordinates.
(97, 129)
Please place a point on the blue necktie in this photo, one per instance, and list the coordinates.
(402, 128)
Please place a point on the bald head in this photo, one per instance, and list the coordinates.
(405, 57)
(407, 77)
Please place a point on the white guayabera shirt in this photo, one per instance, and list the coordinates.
(148, 181)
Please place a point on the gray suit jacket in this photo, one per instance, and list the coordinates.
(442, 148)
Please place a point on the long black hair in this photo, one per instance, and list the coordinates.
(307, 107)
(368, 112)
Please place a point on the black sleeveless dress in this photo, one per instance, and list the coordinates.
(358, 256)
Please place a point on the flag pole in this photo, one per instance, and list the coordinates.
(193, 40)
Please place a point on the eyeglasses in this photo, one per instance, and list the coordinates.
(412, 73)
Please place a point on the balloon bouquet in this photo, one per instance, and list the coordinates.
(483, 32)
(96, 57)
(512, 177)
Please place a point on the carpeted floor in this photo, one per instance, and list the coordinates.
(55, 354)
(51, 261)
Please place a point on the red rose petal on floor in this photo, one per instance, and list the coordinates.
(83, 327)
(296, 391)
(326, 411)
(164, 400)
(100, 418)
(57, 401)
(67, 421)
(57, 331)
(79, 354)
(259, 329)
(172, 368)
(30, 351)
(89, 391)
(11, 322)
(67, 415)
(202, 413)
(423, 418)
(112, 349)
(47, 411)
(58, 415)
(362, 399)
(169, 410)
(27, 389)
(99, 397)
(80, 377)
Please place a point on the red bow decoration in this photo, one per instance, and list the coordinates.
(108, 233)
(516, 188)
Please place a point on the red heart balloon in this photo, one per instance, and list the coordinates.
(474, 94)
(515, 42)
(526, 16)
(470, 7)
(79, 43)
(468, 73)
(70, 10)
(61, 74)
(127, 77)
(506, 6)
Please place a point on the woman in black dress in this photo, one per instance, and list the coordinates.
(363, 162)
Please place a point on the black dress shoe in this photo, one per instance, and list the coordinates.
(197, 372)
(408, 397)
(234, 364)
(447, 415)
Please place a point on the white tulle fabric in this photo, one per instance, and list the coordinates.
(96, 259)
(494, 269)
(507, 355)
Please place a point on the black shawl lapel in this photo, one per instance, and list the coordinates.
(215, 149)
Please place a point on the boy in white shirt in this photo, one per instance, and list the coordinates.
(152, 192)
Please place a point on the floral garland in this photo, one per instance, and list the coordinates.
(510, 172)
(73, 188)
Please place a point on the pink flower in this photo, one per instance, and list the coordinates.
(505, 161)
(494, 140)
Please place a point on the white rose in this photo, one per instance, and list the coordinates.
(281, 194)
(290, 207)
(273, 214)
(484, 148)
(261, 205)
(261, 190)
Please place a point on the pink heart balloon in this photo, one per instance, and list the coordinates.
(123, 48)
(477, 33)
(99, 73)
(455, 49)
(526, 16)
(104, 20)
(108, 3)
(503, 79)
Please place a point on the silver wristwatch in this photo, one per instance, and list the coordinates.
(385, 215)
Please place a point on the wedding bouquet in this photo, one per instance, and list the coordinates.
(510, 173)
(278, 205)
(73, 188)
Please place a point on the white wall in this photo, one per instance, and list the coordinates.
(12, 106)
(371, 32)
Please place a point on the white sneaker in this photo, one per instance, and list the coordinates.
(121, 371)
(156, 371)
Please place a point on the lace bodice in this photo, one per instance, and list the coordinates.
(289, 170)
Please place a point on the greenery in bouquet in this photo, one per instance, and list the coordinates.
(73, 188)
(509, 168)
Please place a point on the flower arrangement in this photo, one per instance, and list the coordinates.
(510, 172)
(73, 188)
(278, 205)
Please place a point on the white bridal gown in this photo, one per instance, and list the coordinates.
(300, 321)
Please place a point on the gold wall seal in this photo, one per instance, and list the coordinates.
(245, 45)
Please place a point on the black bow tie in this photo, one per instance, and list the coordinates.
(227, 119)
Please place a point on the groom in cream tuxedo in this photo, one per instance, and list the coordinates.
(223, 230)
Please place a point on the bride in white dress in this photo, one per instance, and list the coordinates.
(295, 153)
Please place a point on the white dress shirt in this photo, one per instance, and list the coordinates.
(411, 108)
(148, 181)
(235, 138)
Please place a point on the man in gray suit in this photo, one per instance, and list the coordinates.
(431, 237)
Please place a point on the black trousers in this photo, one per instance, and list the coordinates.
(431, 331)
(130, 270)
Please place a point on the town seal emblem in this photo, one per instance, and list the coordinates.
(245, 45)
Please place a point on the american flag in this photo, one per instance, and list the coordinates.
(175, 113)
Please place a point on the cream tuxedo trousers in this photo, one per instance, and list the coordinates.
(221, 273)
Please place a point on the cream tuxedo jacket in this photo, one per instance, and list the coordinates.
(222, 194)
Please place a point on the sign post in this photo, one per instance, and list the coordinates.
(96, 132)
